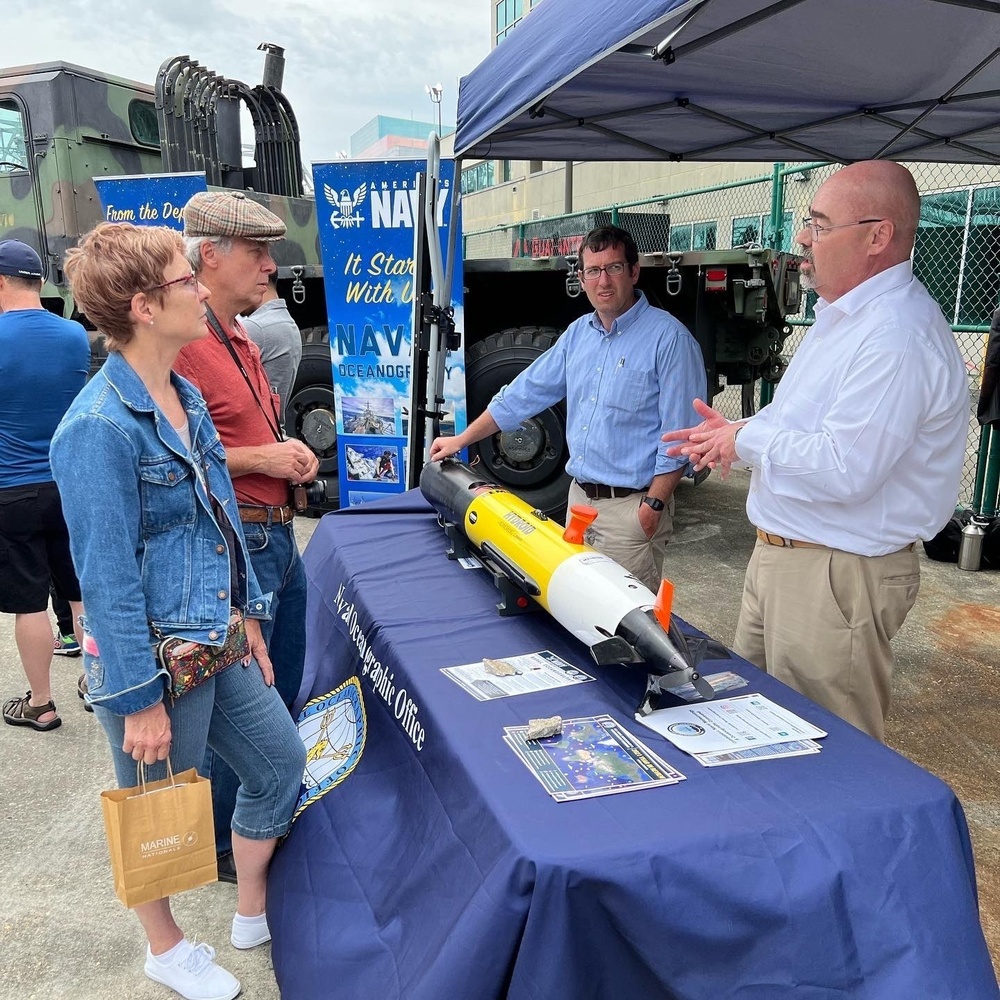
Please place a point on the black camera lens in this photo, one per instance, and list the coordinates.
(316, 492)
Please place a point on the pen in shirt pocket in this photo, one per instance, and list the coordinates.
(621, 362)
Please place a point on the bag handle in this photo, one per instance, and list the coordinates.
(140, 775)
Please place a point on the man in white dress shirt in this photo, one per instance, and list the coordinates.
(858, 456)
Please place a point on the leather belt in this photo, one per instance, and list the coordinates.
(793, 543)
(788, 543)
(265, 515)
(598, 491)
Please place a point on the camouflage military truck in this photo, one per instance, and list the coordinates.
(63, 125)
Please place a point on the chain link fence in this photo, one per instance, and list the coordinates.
(956, 255)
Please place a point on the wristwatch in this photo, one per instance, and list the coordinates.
(654, 502)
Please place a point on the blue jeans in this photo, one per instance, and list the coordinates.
(236, 715)
(278, 567)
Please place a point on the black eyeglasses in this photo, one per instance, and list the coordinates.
(188, 281)
(815, 230)
(593, 273)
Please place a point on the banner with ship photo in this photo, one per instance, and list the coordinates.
(366, 210)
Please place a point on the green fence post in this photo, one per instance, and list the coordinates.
(777, 206)
(977, 488)
(987, 500)
(776, 239)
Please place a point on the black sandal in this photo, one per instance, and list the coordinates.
(20, 712)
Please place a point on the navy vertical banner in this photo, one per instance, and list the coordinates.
(148, 199)
(366, 211)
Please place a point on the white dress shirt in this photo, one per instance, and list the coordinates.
(863, 445)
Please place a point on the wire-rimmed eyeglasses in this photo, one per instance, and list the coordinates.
(187, 281)
(612, 270)
(816, 230)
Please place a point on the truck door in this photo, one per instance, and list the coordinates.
(20, 202)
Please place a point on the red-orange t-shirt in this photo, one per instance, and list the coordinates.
(237, 417)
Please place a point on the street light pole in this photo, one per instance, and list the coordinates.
(434, 92)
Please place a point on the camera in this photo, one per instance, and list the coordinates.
(308, 494)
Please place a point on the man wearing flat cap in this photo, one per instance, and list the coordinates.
(228, 237)
(45, 364)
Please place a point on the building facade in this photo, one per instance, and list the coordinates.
(386, 138)
(506, 15)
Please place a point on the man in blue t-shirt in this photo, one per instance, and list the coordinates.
(44, 361)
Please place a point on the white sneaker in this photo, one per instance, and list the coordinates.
(192, 973)
(248, 932)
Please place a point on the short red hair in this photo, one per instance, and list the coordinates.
(111, 263)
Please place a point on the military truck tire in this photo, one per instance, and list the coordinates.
(532, 461)
(309, 412)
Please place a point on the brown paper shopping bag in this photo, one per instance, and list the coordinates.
(160, 836)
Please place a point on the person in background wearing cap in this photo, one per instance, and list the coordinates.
(227, 236)
(45, 361)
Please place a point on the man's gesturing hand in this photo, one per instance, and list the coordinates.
(710, 444)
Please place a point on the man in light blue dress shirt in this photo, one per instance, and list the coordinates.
(627, 372)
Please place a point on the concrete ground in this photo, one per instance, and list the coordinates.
(63, 933)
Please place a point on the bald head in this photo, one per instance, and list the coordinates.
(881, 189)
(865, 219)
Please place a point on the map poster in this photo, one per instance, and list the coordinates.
(593, 756)
(366, 211)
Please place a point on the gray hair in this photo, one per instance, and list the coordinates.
(192, 248)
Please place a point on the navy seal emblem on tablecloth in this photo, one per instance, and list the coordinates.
(332, 729)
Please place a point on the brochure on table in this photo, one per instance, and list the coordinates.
(744, 721)
(540, 671)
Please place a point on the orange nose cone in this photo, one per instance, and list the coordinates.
(580, 518)
(663, 603)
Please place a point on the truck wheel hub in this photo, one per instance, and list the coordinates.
(319, 430)
(524, 444)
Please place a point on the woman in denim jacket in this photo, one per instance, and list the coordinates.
(157, 545)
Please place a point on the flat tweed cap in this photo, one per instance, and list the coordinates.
(230, 213)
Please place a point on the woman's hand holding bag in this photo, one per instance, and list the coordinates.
(147, 734)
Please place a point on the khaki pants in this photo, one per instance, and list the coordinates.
(821, 620)
(617, 533)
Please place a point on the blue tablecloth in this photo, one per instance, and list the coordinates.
(448, 873)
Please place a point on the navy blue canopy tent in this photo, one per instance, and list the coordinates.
(846, 80)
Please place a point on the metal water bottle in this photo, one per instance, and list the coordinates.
(970, 549)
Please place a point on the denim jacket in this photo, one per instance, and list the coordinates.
(147, 548)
